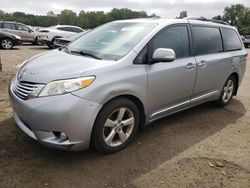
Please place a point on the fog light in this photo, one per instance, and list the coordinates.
(63, 136)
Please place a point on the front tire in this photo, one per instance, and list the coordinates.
(227, 91)
(6, 43)
(115, 126)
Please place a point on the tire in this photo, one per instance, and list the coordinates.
(227, 91)
(35, 41)
(246, 45)
(115, 126)
(6, 43)
(51, 45)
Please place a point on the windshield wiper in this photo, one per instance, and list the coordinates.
(86, 54)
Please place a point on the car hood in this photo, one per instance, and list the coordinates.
(56, 65)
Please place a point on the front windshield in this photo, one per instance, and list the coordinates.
(112, 41)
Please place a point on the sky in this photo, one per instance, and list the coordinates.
(162, 8)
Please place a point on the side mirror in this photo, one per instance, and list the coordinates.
(163, 55)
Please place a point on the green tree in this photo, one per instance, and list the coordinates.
(218, 17)
(67, 17)
(183, 14)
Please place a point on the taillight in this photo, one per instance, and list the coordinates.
(44, 31)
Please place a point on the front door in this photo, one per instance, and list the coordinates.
(170, 84)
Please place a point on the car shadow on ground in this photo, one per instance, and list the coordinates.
(22, 157)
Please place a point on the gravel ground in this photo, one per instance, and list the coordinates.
(204, 146)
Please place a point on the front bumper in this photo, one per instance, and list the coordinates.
(41, 118)
(44, 40)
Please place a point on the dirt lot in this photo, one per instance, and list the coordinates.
(204, 146)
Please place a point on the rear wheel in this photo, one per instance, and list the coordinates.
(227, 91)
(6, 43)
(115, 126)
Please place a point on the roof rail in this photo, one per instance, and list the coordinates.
(206, 19)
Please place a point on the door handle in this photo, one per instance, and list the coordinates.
(190, 66)
(202, 63)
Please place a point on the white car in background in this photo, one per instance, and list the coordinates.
(49, 34)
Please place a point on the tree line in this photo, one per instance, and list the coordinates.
(237, 15)
(84, 19)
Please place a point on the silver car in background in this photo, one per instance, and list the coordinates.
(123, 75)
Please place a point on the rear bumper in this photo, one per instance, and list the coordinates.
(41, 118)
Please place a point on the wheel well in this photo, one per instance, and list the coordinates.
(236, 76)
(139, 105)
(7, 38)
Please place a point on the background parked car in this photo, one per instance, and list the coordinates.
(58, 31)
(246, 40)
(59, 42)
(26, 33)
(8, 40)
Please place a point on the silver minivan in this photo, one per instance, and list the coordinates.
(101, 88)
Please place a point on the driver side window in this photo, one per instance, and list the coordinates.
(21, 27)
(175, 38)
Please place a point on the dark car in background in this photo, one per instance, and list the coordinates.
(246, 40)
(59, 42)
(8, 40)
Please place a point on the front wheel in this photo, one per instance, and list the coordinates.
(115, 126)
(227, 91)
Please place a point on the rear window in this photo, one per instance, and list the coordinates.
(231, 40)
(207, 40)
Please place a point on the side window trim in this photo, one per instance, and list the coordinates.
(223, 44)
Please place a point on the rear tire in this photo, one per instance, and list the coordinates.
(6, 43)
(115, 126)
(227, 91)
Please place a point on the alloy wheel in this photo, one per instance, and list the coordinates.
(118, 127)
(7, 44)
(228, 91)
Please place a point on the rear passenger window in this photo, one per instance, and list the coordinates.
(76, 30)
(231, 40)
(9, 26)
(207, 40)
(175, 38)
(64, 29)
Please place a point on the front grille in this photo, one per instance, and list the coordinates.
(23, 89)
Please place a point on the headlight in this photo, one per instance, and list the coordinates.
(18, 37)
(66, 86)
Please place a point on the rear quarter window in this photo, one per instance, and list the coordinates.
(231, 40)
(207, 40)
